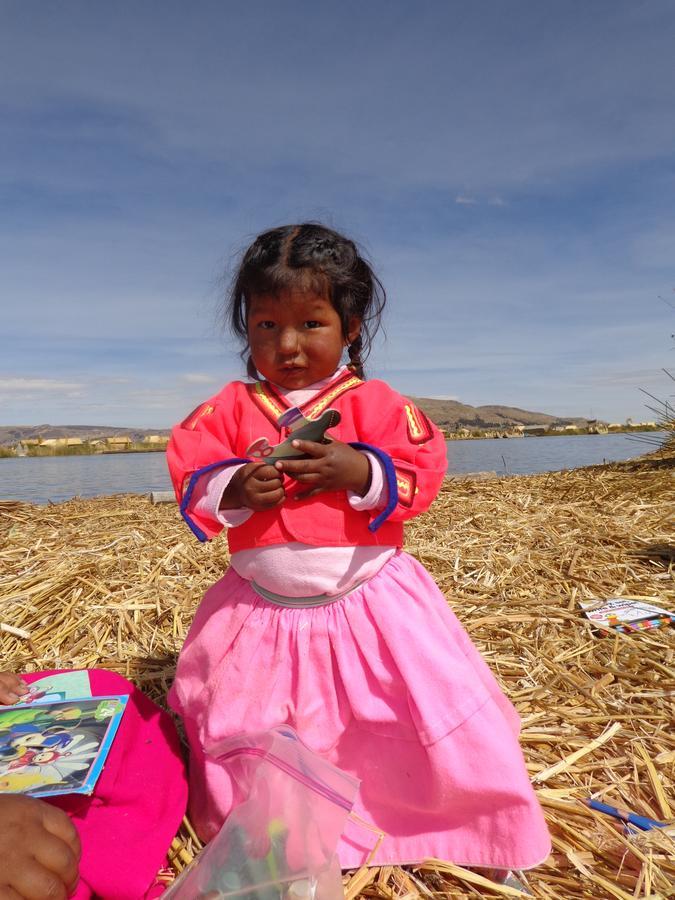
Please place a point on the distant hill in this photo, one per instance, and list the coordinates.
(451, 414)
(448, 414)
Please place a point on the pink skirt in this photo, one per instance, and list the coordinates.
(384, 683)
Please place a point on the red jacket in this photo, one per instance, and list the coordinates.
(373, 418)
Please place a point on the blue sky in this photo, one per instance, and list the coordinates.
(509, 168)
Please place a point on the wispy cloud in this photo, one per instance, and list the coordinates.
(37, 385)
(638, 378)
(198, 378)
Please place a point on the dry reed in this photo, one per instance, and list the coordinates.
(113, 583)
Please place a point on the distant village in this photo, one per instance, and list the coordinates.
(519, 431)
(72, 445)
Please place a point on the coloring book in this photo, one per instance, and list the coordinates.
(627, 614)
(53, 743)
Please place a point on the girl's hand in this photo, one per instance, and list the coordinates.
(256, 486)
(12, 688)
(331, 467)
(40, 850)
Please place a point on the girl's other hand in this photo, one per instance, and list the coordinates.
(40, 850)
(331, 467)
(256, 486)
(12, 688)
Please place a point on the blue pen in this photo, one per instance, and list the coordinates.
(625, 815)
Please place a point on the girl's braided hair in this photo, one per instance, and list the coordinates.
(315, 259)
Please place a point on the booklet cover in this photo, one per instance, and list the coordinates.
(62, 686)
(627, 614)
(57, 746)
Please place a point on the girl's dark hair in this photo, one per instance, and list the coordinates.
(316, 259)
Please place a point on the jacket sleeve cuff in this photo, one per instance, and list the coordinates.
(208, 494)
(389, 481)
(186, 509)
(377, 494)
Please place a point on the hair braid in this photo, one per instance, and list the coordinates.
(354, 351)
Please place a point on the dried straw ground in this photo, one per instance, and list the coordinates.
(114, 582)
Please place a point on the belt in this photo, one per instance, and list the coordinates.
(302, 602)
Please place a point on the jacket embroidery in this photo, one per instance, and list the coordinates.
(318, 405)
(406, 481)
(419, 427)
(190, 421)
(267, 400)
(273, 405)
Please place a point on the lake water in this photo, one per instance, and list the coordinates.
(40, 479)
(525, 456)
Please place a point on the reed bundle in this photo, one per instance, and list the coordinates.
(113, 583)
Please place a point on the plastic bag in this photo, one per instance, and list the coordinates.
(279, 844)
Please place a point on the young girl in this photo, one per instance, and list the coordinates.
(322, 622)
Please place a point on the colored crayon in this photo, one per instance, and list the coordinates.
(625, 815)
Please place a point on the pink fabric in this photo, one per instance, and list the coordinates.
(410, 447)
(387, 685)
(210, 488)
(127, 825)
(298, 570)
(312, 570)
(294, 569)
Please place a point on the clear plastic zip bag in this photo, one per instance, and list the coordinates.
(279, 843)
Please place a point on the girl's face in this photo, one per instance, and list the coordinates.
(296, 338)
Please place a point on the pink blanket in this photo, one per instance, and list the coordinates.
(127, 825)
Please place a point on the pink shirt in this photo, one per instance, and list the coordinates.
(294, 569)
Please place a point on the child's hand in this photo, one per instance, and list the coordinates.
(40, 850)
(257, 486)
(332, 467)
(12, 688)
